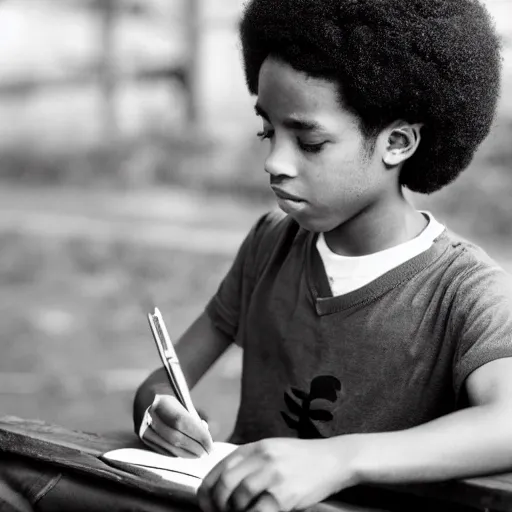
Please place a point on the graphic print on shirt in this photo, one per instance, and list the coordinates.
(325, 387)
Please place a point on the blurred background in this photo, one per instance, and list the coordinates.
(129, 174)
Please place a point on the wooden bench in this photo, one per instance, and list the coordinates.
(483, 494)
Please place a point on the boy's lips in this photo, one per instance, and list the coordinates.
(285, 195)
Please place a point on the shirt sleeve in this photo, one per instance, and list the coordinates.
(224, 308)
(482, 321)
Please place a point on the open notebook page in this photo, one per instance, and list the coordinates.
(175, 469)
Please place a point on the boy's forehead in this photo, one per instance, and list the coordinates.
(283, 89)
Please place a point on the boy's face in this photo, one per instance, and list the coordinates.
(321, 168)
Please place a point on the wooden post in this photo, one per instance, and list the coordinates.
(108, 114)
(192, 71)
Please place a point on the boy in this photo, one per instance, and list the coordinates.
(377, 345)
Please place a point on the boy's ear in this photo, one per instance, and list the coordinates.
(403, 140)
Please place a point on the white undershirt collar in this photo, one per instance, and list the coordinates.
(347, 273)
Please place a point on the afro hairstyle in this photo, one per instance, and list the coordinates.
(435, 62)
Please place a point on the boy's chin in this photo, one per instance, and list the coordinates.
(313, 224)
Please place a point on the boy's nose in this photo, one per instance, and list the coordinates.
(280, 163)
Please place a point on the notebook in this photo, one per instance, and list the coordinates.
(183, 475)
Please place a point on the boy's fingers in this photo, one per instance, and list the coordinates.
(168, 409)
(159, 445)
(206, 438)
(176, 438)
(145, 424)
(172, 414)
(154, 446)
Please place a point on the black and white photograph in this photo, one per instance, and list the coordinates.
(255, 255)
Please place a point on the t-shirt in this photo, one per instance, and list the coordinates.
(348, 273)
(388, 356)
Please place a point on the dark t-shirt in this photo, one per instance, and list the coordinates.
(388, 356)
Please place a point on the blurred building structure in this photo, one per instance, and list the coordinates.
(55, 54)
(78, 73)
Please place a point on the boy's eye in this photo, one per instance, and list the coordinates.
(268, 133)
(265, 134)
(311, 148)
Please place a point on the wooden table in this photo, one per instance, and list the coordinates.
(484, 494)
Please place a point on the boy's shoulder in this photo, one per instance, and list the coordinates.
(274, 220)
(273, 226)
(475, 272)
(274, 232)
(472, 255)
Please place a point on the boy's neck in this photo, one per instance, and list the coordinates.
(376, 228)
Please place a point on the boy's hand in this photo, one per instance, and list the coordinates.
(276, 475)
(169, 428)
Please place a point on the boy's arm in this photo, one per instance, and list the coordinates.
(290, 474)
(197, 349)
(466, 443)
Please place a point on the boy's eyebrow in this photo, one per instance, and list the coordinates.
(295, 123)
